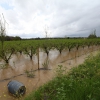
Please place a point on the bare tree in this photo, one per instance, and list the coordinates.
(46, 30)
(2, 30)
(5, 53)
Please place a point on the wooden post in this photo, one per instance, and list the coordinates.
(38, 57)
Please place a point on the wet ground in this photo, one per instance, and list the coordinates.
(20, 63)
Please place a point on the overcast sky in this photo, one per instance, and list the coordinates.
(30, 18)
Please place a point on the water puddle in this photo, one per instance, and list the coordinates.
(20, 63)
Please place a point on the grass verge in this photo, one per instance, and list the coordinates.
(81, 83)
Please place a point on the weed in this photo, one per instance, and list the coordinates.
(30, 73)
(46, 64)
(60, 71)
(3, 66)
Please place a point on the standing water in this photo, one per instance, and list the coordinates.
(19, 64)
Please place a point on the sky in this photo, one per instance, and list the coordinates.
(57, 18)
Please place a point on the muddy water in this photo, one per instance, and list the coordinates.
(19, 63)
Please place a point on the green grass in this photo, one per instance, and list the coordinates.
(81, 83)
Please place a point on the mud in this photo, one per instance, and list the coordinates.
(19, 63)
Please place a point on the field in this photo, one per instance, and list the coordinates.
(34, 62)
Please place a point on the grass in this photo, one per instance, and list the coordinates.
(81, 83)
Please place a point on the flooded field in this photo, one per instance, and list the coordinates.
(20, 63)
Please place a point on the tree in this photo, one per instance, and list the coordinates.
(2, 30)
(5, 51)
(17, 38)
(93, 35)
(47, 31)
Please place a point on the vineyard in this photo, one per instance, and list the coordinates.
(32, 62)
(30, 47)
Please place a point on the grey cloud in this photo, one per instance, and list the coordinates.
(63, 17)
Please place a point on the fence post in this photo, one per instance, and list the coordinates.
(38, 58)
